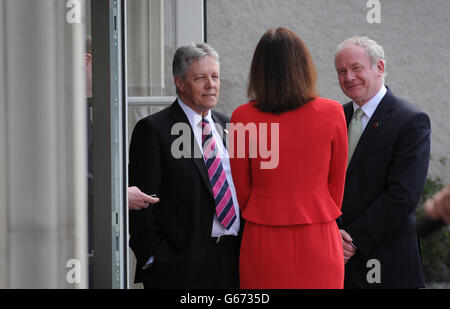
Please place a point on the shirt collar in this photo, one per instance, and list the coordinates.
(370, 107)
(194, 118)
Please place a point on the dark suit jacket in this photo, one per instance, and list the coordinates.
(177, 230)
(384, 182)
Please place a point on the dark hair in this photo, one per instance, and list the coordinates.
(282, 74)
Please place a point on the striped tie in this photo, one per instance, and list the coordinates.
(219, 184)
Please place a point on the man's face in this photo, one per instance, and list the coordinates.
(358, 79)
(200, 87)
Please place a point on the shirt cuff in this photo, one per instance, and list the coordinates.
(149, 262)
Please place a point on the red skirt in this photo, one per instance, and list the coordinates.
(307, 256)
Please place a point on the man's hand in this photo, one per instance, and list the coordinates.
(438, 206)
(347, 244)
(138, 199)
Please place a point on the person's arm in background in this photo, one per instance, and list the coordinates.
(138, 199)
(438, 206)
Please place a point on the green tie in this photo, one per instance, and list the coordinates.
(355, 130)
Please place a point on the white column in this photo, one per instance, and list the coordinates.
(43, 205)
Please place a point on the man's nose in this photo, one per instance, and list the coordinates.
(349, 75)
(210, 82)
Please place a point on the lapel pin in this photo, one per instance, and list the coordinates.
(375, 124)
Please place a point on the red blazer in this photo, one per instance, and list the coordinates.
(308, 159)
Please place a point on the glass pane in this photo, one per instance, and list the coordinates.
(151, 43)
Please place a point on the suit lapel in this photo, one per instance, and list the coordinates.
(348, 111)
(376, 123)
(178, 115)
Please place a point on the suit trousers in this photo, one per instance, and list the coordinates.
(221, 271)
(349, 284)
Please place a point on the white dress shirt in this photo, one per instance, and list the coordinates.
(195, 120)
(370, 107)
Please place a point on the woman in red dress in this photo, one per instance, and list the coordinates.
(288, 159)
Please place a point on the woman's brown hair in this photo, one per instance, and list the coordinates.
(282, 74)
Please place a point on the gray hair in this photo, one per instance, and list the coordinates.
(185, 55)
(373, 50)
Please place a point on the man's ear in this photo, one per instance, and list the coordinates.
(380, 66)
(88, 58)
(179, 83)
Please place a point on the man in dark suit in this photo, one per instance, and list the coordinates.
(190, 238)
(389, 149)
